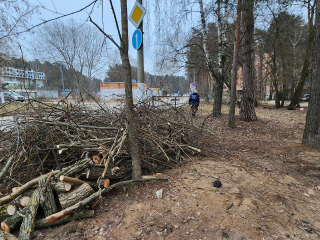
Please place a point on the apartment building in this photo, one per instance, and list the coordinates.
(262, 76)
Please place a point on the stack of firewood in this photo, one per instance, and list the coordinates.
(62, 196)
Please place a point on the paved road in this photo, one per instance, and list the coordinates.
(9, 122)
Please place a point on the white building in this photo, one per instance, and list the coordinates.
(14, 76)
(24, 82)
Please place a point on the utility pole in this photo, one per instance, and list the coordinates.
(140, 59)
(61, 69)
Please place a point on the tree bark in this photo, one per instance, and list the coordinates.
(59, 186)
(3, 211)
(71, 198)
(96, 172)
(30, 214)
(7, 236)
(72, 170)
(5, 169)
(103, 183)
(22, 189)
(233, 96)
(73, 180)
(42, 223)
(247, 110)
(132, 129)
(311, 136)
(72, 209)
(47, 201)
(12, 222)
(218, 85)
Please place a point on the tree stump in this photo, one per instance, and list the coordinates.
(76, 195)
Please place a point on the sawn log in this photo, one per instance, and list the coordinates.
(22, 189)
(76, 195)
(47, 201)
(72, 209)
(114, 173)
(31, 211)
(42, 223)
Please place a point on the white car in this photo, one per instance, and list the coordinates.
(12, 96)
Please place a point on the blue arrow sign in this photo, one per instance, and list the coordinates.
(137, 39)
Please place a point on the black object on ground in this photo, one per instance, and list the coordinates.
(217, 184)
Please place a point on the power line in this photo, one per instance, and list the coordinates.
(53, 19)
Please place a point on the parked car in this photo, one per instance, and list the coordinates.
(26, 96)
(12, 96)
(305, 97)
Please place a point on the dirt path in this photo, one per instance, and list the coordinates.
(269, 189)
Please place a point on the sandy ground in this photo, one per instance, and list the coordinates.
(269, 188)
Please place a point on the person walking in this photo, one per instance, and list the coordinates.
(207, 99)
(194, 101)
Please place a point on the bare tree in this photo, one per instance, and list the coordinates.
(79, 46)
(14, 16)
(305, 70)
(311, 134)
(233, 96)
(123, 48)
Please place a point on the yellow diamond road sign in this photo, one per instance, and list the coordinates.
(137, 14)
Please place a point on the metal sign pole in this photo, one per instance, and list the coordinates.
(140, 59)
(136, 16)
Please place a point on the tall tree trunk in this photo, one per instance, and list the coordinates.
(284, 80)
(247, 109)
(233, 96)
(306, 65)
(221, 59)
(311, 134)
(132, 129)
(218, 85)
(274, 74)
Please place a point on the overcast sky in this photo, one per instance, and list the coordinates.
(101, 15)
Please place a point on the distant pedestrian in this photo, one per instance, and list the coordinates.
(207, 99)
(194, 101)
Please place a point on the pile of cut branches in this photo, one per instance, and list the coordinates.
(48, 139)
(53, 137)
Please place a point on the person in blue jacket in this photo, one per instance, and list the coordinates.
(194, 101)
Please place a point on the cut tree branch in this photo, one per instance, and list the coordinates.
(108, 36)
(9, 162)
(115, 19)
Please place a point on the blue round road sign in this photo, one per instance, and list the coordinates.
(137, 39)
